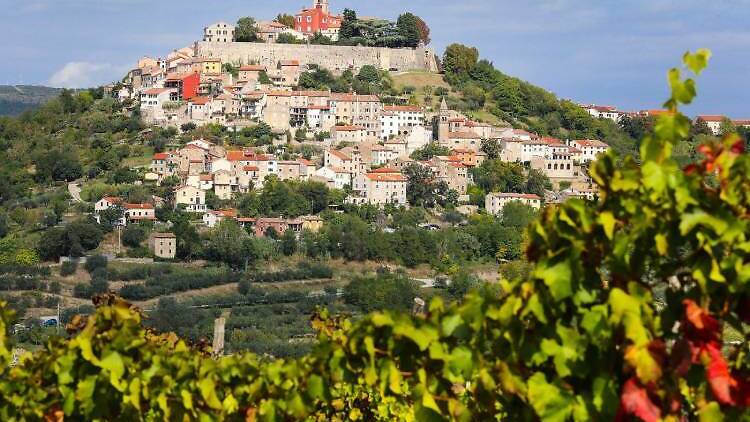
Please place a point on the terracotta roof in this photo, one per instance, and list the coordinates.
(200, 100)
(338, 169)
(289, 63)
(741, 122)
(385, 170)
(386, 177)
(138, 206)
(311, 93)
(354, 98)
(405, 108)
(593, 143)
(250, 168)
(711, 118)
(206, 178)
(463, 135)
(305, 162)
(112, 199)
(348, 128)
(517, 195)
(178, 76)
(339, 154)
(230, 213)
(161, 156)
(164, 235)
(156, 91)
(252, 68)
(246, 155)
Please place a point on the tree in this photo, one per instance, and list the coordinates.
(430, 150)
(517, 214)
(285, 19)
(492, 148)
(423, 190)
(188, 127)
(246, 30)
(289, 243)
(385, 291)
(58, 165)
(72, 240)
(369, 73)
(3, 225)
(285, 38)
(459, 59)
(133, 235)
(424, 31)
(499, 176)
(537, 182)
(263, 78)
(111, 217)
(348, 28)
(95, 262)
(409, 29)
(225, 244)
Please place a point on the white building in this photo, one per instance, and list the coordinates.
(713, 123)
(495, 202)
(220, 32)
(379, 187)
(399, 120)
(590, 148)
(604, 112)
(192, 197)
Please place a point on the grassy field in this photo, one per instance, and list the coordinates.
(418, 80)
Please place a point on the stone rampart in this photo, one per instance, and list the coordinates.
(335, 58)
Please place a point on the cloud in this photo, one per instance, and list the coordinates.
(83, 75)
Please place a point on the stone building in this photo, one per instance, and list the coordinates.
(164, 245)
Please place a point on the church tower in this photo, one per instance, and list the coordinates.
(322, 5)
(443, 125)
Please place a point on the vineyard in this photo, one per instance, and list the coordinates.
(582, 339)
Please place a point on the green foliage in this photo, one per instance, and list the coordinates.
(134, 235)
(72, 240)
(386, 290)
(580, 338)
(68, 268)
(424, 190)
(95, 262)
(285, 38)
(246, 30)
(285, 19)
(429, 151)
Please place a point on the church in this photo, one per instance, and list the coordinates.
(318, 19)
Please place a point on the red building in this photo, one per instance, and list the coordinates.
(186, 85)
(317, 19)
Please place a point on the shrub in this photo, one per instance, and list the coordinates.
(68, 268)
(95, 261)
(133, 235)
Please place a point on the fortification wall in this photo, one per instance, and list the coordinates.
(335, 58)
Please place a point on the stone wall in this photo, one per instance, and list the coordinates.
(335, 58)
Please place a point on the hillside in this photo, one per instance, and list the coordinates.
(16, 99)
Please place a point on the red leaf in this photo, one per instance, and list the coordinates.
(699, 324)
(635, 401)
(706, 150)
(738, 147)
(691, 169)
(742, 393)
(717, 372)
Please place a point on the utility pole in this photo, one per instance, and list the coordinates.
(218, 344)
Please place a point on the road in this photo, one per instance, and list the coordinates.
(75, 191)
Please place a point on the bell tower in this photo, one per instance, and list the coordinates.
(322, 5)
(443, 125)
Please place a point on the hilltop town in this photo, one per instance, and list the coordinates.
(364, 133)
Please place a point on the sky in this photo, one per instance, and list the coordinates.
(591, 51)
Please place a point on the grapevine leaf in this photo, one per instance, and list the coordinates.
(550, 402)
(634, 400)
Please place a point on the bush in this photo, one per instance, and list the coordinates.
(68, 268)
(82, 291)
(178, 281)
(95, 261)
(133, 235)
(55, 287)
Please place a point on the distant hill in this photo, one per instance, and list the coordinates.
(16, 99)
